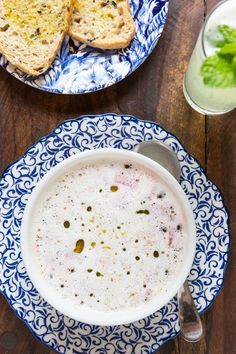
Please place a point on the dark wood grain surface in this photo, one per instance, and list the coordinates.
(153, 92)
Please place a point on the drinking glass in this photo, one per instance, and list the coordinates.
(204, 99)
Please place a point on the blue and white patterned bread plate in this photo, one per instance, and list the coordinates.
(79, 68)
(61, 333)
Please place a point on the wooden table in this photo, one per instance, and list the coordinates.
(153, 92)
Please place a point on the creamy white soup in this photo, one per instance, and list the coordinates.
(108, 235)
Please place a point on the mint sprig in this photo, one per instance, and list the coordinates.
(219, 70)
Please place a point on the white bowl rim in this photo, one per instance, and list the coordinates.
(83, 313)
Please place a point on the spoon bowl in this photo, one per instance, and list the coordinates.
(162, 154)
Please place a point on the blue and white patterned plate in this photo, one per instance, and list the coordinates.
(61, 333)
(79, 68)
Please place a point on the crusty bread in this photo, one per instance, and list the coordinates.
(31, 32)
(105, 24)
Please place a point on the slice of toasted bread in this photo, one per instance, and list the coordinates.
(105, 24)
(31, 32)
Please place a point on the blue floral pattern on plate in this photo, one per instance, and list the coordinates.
(61, 333)
(79, 68)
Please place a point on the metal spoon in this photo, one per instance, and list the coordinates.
(190, 322)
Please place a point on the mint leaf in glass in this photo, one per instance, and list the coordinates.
(227, 51)
(218, 72)
(228, 33)
(221, 35)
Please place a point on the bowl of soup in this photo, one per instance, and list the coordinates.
(108, 237)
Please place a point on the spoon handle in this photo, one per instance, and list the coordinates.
(190, 322)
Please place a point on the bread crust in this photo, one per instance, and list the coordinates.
(45, 63)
